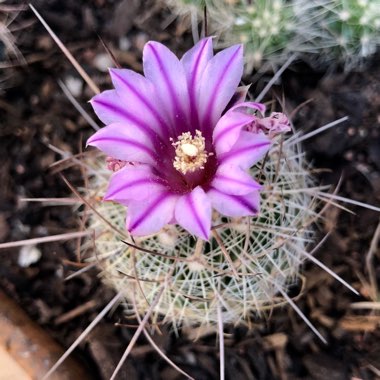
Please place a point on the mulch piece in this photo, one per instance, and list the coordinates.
(34, 113)
(31, 347)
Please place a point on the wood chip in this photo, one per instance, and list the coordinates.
(275, 341)
(10, 369)
(360, 323)
(29, 345)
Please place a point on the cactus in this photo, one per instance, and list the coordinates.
(350, 30)
(8, 48)
(320, 31)
(264, 27)
(217, 218)
(242, 267)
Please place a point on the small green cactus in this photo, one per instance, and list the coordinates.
(350, 30)
(319, 31)
(264, 27)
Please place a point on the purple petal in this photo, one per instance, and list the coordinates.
(228, 129)
(219, 82)
(195, 61)
(124, 143)
(248, 150)
(150, 215)
(137, 93)
(193, 213)
(111, 108)
(277, 123)
(233, 180)
(238, 97)
(167, 74)
(235, 205)
(251, 105)
(132, 182)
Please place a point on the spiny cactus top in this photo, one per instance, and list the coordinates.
(182, 139)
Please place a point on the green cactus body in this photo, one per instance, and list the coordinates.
(320, 31)
(350, 30)
(265, 27)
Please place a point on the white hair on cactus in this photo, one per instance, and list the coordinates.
(350, 30)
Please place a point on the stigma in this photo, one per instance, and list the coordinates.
(190, 152)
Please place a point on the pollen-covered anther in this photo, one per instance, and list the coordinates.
(190, 153)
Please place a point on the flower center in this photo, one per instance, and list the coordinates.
(190, 153)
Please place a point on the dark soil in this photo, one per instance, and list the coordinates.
(35, 113)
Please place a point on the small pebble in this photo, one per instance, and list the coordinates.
(140, 40)
(29, 254)
(74, 85)
(103, 62)
(124, 43)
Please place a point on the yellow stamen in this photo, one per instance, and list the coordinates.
(190, 153)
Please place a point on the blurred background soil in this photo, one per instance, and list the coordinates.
(34, 113)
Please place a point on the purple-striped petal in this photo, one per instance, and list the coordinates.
(168, 76)
(124, 143)
(238, 97)
(228, 129)
(150, 215)
(233, 180)
(193, 213)
(133, 182)
(235, 205)
(195, 61)
(219, 82)
(251, 105)
(110, 109)
(138, 94)
(247, 151)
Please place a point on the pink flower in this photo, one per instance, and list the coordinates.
(184, 126)
(114, 165)
(273, 125)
